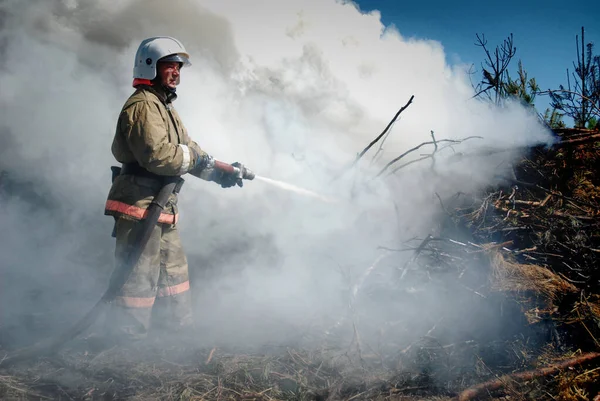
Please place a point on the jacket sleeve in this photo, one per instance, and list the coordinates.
(148, 139)
(207, 173)
(192, 144)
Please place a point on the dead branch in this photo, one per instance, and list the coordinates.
(557, 213)
(548, 191)
(571, 132)
(449, 240)
(408, 164)
(210, 355)
(385, 248)
(380, 149)
(579, 140)
(434, 142)
(435, 149)
(416, 254)
(442, 204)
(496, 384)
(573, 216)
(521, 202)
(374, 141)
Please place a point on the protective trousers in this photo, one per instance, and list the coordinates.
(157, 291)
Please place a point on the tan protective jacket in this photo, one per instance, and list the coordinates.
(149, 132)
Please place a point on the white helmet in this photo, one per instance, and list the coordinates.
(151, 50)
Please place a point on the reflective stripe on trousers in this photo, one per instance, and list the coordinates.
(138, 212)
(137, 302)
(160, 274)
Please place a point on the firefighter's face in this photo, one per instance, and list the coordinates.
(169, 73)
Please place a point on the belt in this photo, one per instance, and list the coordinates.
(136, 169)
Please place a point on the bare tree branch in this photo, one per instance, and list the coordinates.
(570, 92)
(434, 142)
(495, 75)
(374, 141)
(435, 149)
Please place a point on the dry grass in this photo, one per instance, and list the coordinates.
(576, 385)
(514, 277)
(149, 373)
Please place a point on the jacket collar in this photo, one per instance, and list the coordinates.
(165, 96)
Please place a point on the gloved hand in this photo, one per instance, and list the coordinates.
(228, 180)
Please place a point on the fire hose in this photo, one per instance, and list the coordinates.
(172, 185)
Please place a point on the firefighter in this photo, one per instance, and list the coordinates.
(152, 143)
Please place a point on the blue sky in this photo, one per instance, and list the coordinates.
(543, 31)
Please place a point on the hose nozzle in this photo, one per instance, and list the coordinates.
(248, 174)
(236, 168)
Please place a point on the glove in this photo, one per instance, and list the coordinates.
(228, 180)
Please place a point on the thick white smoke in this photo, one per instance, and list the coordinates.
(291, 89)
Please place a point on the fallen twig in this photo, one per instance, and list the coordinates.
(415, 255)
(548, 191)
(210, 355)
(496, 384)
(582, 139)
